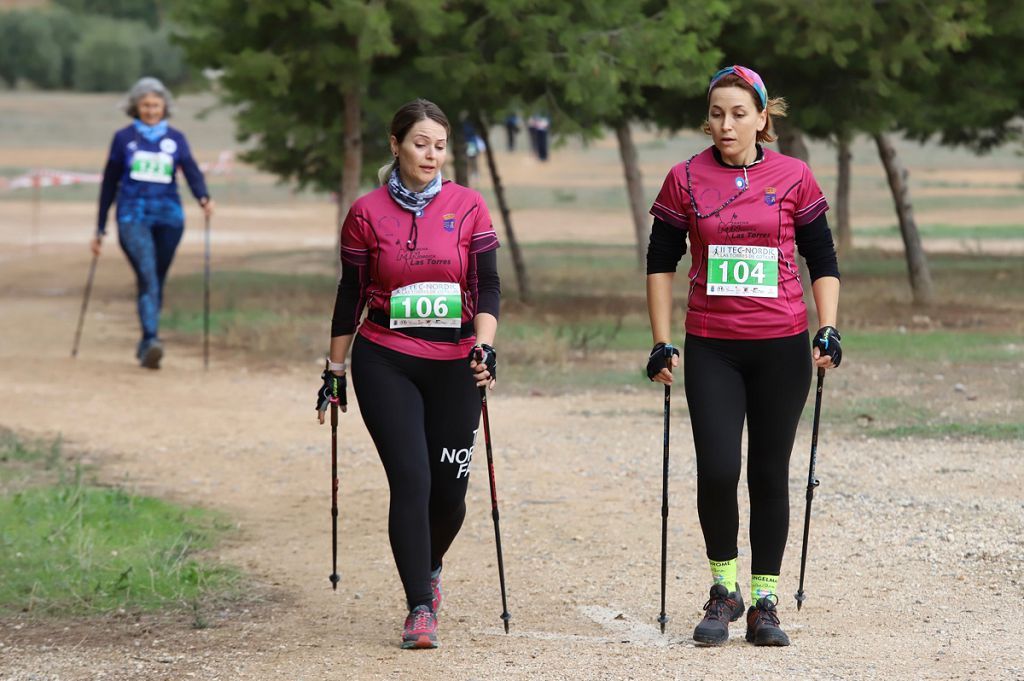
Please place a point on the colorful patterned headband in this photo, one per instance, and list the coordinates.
(748, 76)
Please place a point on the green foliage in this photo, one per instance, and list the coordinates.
(147, 11)
(29, 49)
(55, 48)
(108, 57)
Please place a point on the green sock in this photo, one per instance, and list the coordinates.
(724, 572)
(763, 585)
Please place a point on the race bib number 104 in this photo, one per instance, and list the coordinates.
(737, 270)
(429, 304)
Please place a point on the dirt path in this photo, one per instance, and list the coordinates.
(916, 548)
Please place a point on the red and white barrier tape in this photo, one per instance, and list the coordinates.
(43, 177)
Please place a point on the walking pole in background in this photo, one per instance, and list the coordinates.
(334, 494)
(812, 482)
(206, 302)
(85, 303)
(505, 616)
(663, 618)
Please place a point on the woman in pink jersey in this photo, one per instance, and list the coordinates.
(747, 212)
(418, 254)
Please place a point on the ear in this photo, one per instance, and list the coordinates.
(762, 120)
(394, 146)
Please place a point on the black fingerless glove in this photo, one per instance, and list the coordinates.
(334, 389)
(827, 340)
(661, 357)
(486, 355)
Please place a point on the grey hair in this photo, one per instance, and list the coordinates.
(143, 87)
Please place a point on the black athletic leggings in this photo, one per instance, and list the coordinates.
(423, 415)
(765, 381)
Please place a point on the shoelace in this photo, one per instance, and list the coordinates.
(719, 608)
(422, 619)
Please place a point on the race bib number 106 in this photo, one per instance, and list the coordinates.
(737, 270)
(429, 304)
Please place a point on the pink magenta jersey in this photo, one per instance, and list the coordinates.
(378, 237)
(782, 196)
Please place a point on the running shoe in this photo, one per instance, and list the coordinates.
(435, 588)
(420, 629)
(722, 607)
(763, 623)
(151, 353)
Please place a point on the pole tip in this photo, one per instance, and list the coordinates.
(505, 616)
(800, 598)
(663, 620)
(334, 580)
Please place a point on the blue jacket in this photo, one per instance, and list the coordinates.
(147, 170)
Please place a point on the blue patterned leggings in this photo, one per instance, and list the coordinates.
(149, 231)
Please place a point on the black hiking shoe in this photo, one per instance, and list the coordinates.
(722, 607)
(150, 354)
(763, 623)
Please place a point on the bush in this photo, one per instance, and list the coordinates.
(28, 50)
(109, 55)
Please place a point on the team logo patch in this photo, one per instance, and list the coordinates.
(740, 183)
(769, 196)
(449, 222)
(168, 146)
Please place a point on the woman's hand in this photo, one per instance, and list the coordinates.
(483, 362)
(658, 363)
(334, 390)
(827, 351)
(96, 245)
(208, 205)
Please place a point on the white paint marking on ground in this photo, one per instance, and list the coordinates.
(629, 630)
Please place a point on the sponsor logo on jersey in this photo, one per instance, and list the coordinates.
(769, 196)
(449, 222)
(740, 183)
(168, 146)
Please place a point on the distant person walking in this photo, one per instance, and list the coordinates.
(539, 125)
(140, 175)
(511, 130)
(419, 254)
(747, 212)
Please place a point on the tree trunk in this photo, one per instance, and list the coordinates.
(791, 141)
(522, 280)
(844, 156)
(460, 160)
(634, 187)
(917, 262)
(352, 162)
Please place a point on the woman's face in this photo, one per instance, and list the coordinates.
(421, 154)
(151, 109)
(735, 122)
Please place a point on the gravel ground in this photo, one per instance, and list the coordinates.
(916, 555)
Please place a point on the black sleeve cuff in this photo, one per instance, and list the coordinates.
(488, 283)
(347, 306)
(814, 241)
(666, 247)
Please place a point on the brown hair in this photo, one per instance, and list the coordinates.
(776, 107)
(408, 115)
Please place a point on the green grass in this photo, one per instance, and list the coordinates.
(984, 431)
(933, 346)
(71, 548)
(943, 231)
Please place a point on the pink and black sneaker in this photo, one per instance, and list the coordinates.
(435, 588)
(420, 629)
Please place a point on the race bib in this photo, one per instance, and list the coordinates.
(737, 270)
(429, 303)
(151, 166)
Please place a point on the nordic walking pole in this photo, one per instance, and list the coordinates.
(505, 616)
(334, 492)
(85, 303)
(812, 482)
(206, 298)
(663, 618)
